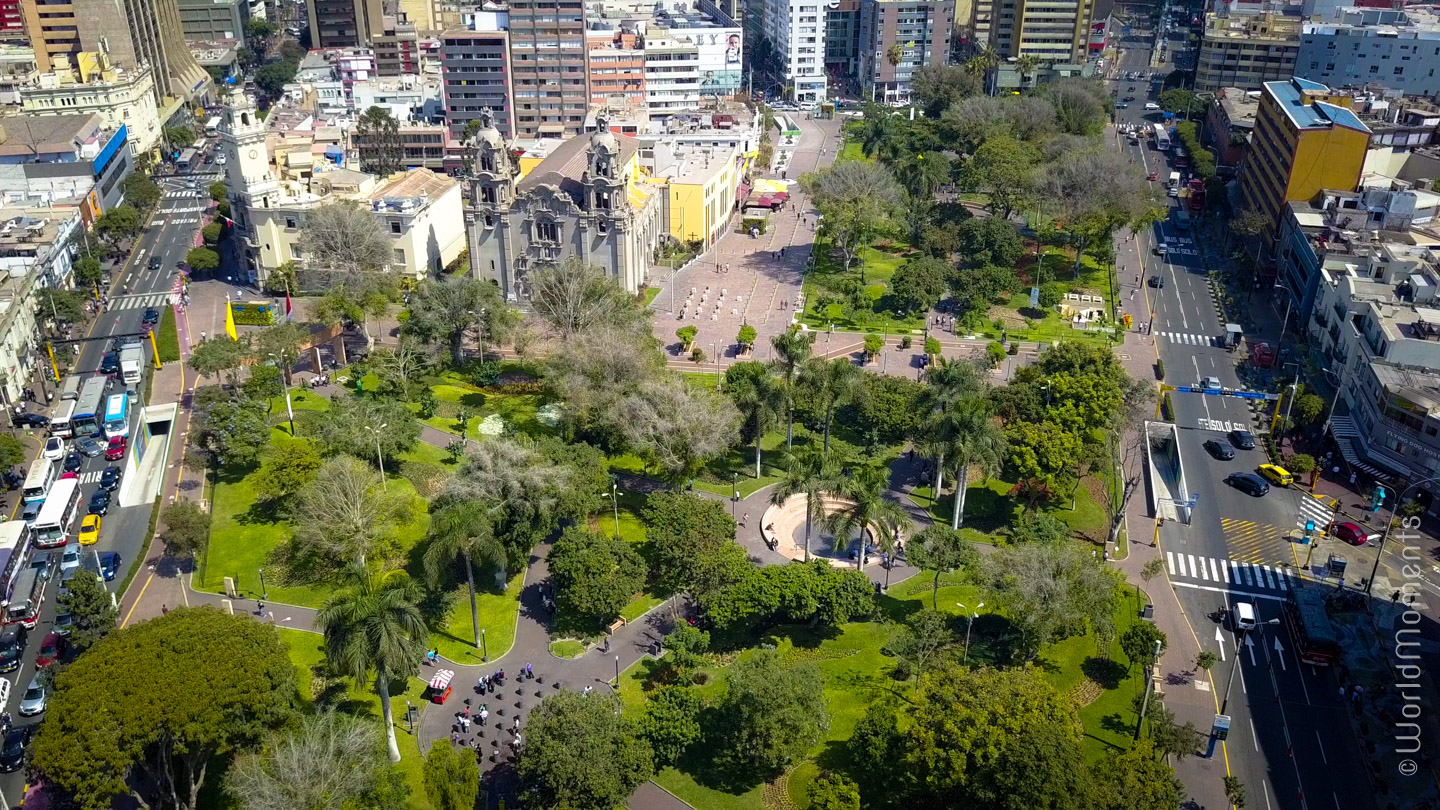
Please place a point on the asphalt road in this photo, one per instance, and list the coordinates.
(1289, 743)
(123, 530)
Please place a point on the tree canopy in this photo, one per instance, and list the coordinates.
(582, 752)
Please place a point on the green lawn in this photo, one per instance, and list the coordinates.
(567, 648)
(499, 611)
(880, 264)
(989, 509)
(307, 652)
(517, 410)
(242, 538)
(852, 150)
(167, 339)
(1022, 323)
(650, 293)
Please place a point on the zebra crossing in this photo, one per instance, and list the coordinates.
(1188, 339)
(1313, 509)
(139, 301)
(1226, 572)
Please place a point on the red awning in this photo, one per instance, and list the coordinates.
(442, 679)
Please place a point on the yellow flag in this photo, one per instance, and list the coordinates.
(230, 320)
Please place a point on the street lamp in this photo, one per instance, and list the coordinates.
(284, 372)
(734, 492)
(1394, 508)
(484, 647)
(1284, 324)
(615, 501)
(264, 594)
(969, 621)
(379, 457)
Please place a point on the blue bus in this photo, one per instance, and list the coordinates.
(87, 406)
(117, 416)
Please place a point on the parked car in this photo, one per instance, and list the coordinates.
(51, 648)
(1277, 475)
(1152, 176)
(116, 449)
(12, 647)
(1242, 439)
(1249, 483)
(54, 448)
(110, 478)
(90, 529)
(33, 701)
(1219, 449)
(1352, 533)
(109, 565)
(88, 446)
(30, 420)
(100, 502)
(13, 746)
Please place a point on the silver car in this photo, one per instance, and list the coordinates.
(33, 701)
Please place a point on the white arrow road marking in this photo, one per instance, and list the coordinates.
(1280, 653)
(1220, 642)
(1250, 647)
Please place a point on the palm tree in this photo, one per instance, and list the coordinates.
(460, 529)
(1028, 63)
(881, 133)
(814, 475)
(792, 349)
(951, 381)
(925, 173)
(894, 54)
(833, 384)
(973, 440)
(867, 506)
(376, 625)
(760, 398)
(982, 63)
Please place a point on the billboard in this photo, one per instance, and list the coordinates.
(720, 58)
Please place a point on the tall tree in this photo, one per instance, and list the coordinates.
(1052, 592)
(118, 224)
(854, 198)
(281, 343)
(219, 355)
(940, 549)
(690, 544)
(865, 506)
(187, 529)
(345, 252)
(346, 513)
(524, 490)
(594, 575)
(759, 397)
(450, 308)
(814, 475)
(936, 87)
(574, 296)
(460, 529)
(452, 776)
(676, 425)
(792, 350)
(382, 152)
(582, 752)
(153, 709)
(375, 625)
(364, 426)
(923, 174)
(831, 384)
(972, 438)
(771, 715)
(330, 762)
(93, 615)
(1005, 169)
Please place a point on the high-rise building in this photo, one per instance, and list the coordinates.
(1247, 50)
(896, 38)
(344, 23)
(1306, 139)
(796, 31)
(11, 18)
(617, 70)
(1397, 49)
(475, 80)
(213, 19)
(1054, 30)
(548, 67)
(397, 47)
(842, 38)
(134, 33)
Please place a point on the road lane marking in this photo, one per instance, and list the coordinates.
(1248, 595)
(1214, 570)
(1170, 561)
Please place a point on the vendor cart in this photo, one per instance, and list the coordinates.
(440, 686)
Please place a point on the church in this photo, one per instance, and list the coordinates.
(588, 198)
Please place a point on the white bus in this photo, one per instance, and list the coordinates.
(62, 419)
(23, 597)
(212, 126)
(43, 473)
(117, 416)
(88, 413)
(52, 525)
(14, 536)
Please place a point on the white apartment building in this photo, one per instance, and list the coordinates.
(672, 75)
(797, 30)
(34, 253)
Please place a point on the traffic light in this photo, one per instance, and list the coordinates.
(1377, 498)
(1309, 527)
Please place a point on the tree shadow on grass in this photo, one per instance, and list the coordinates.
(1115, 724)
(1104, 671)
(474, 401)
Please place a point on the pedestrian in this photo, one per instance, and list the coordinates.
(164, 610)
(585, 692)
(1352, 479)
(261, 610)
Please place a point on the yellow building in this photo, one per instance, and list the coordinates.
(1306, 139)
(701, 186)
(89, 82)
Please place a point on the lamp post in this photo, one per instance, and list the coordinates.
(484, 647)
(264, 594)
(289, 411)
(969, 622)
(615, 501)
(379, 456)
(1394, 508)
(1285, 323)
(734, 492)
(617, 672)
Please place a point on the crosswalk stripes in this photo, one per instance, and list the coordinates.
(1189, 339)
(1227, 571)
(139, 301)
(1311, 509)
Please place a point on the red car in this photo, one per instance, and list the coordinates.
(50, 650)
(1351, 533)
(116, 450)
(1153, 176)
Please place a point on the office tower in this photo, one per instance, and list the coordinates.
(1054, 30)
(344, 23)
(548, 67)
(896, 38)
(475, 77)
(135, 34)
(796, 29)
(1247, 50)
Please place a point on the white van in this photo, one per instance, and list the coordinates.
(1150, 105)
(1244, 617)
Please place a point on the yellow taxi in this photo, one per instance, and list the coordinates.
(90, 530)
(1277, 475)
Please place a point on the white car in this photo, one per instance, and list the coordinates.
(220, 160)
(1210, 383)
(1151, 106)
(70, 558)
(33, 702)
(54, 448)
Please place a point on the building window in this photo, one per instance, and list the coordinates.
(399, 257)
(548, 231)
(296, 252)
(290, 223)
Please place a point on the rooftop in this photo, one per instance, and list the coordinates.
(567, 163)
(1298, 99)
(1240, 106)
(417, 183)
(48, 134)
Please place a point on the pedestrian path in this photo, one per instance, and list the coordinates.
(1311, 508)
(1225, 575)
(138, 301)
(1189, 339)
